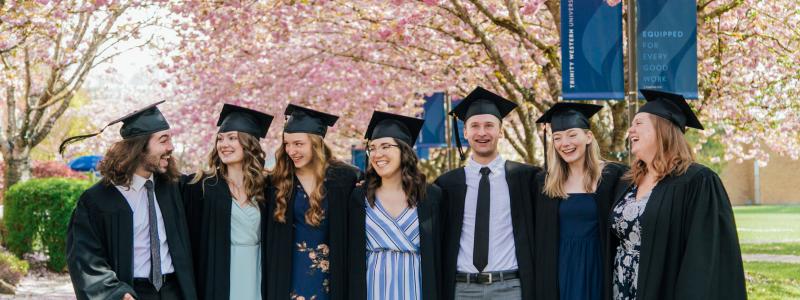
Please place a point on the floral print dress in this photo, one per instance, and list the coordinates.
(310, 273)
(626, 224)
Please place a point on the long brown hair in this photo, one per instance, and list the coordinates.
(673, 154)
(122, 158)
(283, 178)
(252, 167)
(558, 169)
(412, 178)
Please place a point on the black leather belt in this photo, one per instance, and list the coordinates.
(486, 278)
(166, 278)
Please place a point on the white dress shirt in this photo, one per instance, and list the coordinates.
(136, 196)
(502, 253)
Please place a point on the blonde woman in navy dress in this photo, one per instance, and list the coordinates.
(393, 221)
(573, 259)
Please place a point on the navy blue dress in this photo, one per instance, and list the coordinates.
(310, 262)
(579, 260)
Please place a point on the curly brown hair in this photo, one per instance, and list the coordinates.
(283, 178)
(252, 167)
(122, 158)
(413, 180)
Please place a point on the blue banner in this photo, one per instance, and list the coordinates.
(359, 158)
(591, 50)
(667, 46)
(433, 134)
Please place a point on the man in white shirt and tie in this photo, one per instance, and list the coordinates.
(487, 210)
(128, 238)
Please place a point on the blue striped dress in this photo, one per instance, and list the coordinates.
(393, 259)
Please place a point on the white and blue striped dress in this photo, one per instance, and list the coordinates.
(393, 259)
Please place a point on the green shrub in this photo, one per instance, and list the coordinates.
(12, 269)
(38, 210)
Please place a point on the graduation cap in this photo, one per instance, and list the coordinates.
(399, 127)
(567, 115)
(237, 118)
(672, 107)
(307, 120)
(479, 102)
(144, 121)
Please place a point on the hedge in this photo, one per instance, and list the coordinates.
(38, 211)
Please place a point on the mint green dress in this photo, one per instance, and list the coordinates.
(245, 252)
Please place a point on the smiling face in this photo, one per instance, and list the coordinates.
(159, 152)
(642, 137)
(229, 148)
(483, 133)
(384, 156)
(299, 149)
(571, 144)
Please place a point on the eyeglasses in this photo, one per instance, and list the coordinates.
(383, 148)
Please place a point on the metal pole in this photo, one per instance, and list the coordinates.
(448, 129)
(633, 89)
(756, 183)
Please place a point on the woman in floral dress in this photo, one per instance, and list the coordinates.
(308, 207)
(675, 229)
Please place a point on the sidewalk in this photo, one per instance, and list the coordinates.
(44, 286)
(791, 259)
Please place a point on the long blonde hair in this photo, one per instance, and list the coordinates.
(252, 167)
(283, 178)
(558, 169)
(673, 154)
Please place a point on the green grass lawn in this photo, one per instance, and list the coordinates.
(772, 280)
(770, 230)
(768, 224)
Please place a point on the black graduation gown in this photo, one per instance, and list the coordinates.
(100, 242)
(454, 190)
(689, 248)
(430, 244)
(208, 211)
(339, 183)
(547, 231)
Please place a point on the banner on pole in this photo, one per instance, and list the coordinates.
(667, 46)
(591, 50)
(433, 134)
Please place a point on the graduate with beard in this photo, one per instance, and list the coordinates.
(487, 210)
(127, 238)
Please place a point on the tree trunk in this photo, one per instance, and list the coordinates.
(17, 168)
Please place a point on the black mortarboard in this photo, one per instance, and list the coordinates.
(237, 118)
(479, 102)
(141, 122)
(307, 120)
(672, 107)
(394, 126)
(568, 115)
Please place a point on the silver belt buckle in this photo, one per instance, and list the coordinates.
(491, 278)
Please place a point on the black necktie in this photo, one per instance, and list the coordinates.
(155, 241)
(480, 252)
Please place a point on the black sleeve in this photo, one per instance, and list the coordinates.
(92, 277)
(711, 267)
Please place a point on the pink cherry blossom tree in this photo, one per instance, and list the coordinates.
(47, 49)
(350, 57)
